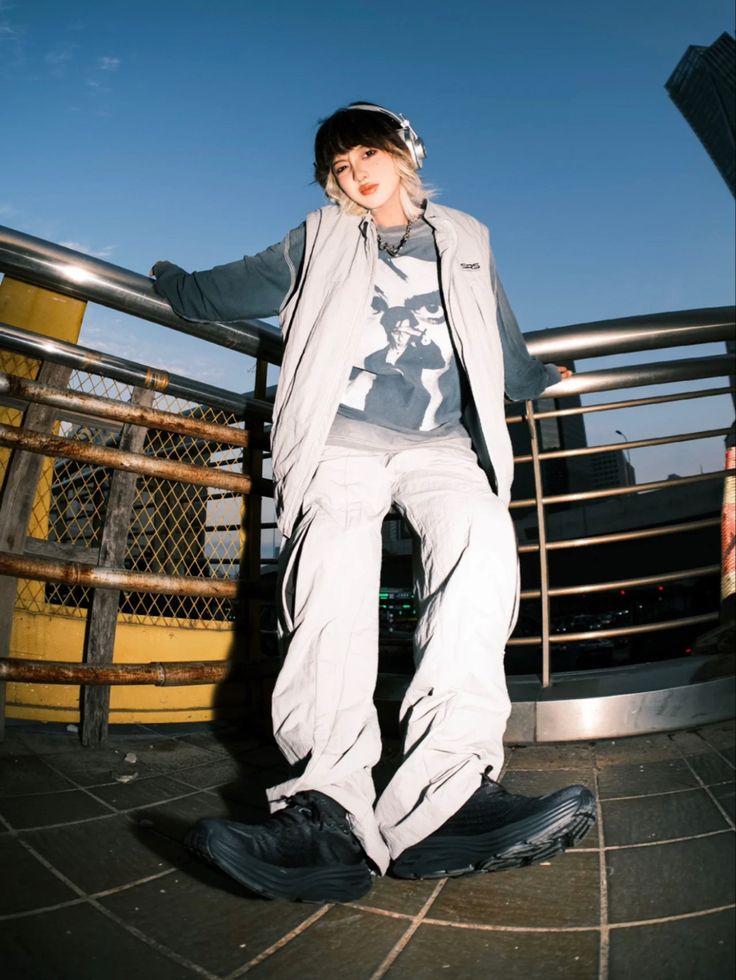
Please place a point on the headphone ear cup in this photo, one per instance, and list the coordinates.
(414, 143)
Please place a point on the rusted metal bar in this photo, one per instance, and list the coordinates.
(624, 583)
(130, 372)
(624, 446)
(635, 630)
(156, 673)
(649, 532)
(89, 576)
(521, 641)
(117, 459)
(123, 412)
(678, 396)
(681, 481)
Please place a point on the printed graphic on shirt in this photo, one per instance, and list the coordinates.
(405, 375)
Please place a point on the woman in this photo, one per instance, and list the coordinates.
(359, 426)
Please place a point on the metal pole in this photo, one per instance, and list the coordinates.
(543, 562)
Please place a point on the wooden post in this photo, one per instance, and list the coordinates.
(19, 492)
(103, 612)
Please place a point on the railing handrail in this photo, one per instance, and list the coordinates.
(130, 372)
(84, 277)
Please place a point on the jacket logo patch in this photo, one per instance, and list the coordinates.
(470, 265)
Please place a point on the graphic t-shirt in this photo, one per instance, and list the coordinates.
(405, 376)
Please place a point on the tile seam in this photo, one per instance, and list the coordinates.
(406, 937)
(721, 810)
(668, 840)
(603, 931)
(26, 913)
(280, 943)
(131, 930)
(631, 924)
(666, 792)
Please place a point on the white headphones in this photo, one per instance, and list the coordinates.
(414, 143)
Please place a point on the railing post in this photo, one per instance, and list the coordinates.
(40, 311)
(18, 495)
(728, 537)
(103, 612)
(542, 524)
(250, 568)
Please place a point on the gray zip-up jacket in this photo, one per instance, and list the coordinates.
(324, 305)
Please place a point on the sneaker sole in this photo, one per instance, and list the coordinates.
(335, 883)
(521, 844)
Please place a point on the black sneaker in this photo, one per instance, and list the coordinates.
(305, 852)
(495, 830)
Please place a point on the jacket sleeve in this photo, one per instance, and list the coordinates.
(524, 376)
(254, 286)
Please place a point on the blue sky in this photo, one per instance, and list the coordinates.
(183, 130)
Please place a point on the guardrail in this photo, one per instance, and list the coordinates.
(213, 432)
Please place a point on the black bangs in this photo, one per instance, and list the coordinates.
(348, 128)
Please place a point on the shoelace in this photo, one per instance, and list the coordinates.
(301, 807)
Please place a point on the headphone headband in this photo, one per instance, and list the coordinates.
(413, 142)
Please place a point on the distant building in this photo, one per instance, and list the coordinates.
(557, 432)
(609, 470)
(703, 87)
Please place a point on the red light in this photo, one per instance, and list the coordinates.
(660, 588)
(622, 591)
(688, 649)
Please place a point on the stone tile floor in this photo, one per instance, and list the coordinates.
(96, 883)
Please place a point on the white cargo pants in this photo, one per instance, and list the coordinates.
(457, 705)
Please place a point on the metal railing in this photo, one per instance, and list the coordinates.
(71, 567)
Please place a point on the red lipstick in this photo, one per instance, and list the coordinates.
(368, 188)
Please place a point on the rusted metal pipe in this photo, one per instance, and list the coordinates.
(127, 372)
(670, 624)
(151, 418)
(203, 476)
(159, 674)
(681, 481)
(624, 583)
(625, 447)
(94, 577)
(599, 539)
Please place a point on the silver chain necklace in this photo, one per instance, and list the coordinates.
(393, 250)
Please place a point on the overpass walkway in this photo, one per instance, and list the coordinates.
(96, 882)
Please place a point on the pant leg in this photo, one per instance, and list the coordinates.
(457, 704)
(324, 718)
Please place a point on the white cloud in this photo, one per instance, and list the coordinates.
(108, 63)
(101, 253)
(60, 56)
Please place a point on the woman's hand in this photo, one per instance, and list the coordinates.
(565, 372)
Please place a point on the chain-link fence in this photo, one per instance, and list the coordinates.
(175, 529)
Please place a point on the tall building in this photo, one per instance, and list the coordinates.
(611, 469)
(561, 432)
(703, 87)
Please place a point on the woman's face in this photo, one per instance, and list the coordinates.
(368, 177)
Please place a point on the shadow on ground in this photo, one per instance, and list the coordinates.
(98, 882)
